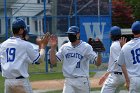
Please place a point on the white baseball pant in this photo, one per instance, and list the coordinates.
(76, 85)
(113, 83)
(18, 86)
(134, 85)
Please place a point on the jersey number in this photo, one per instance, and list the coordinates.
(136, 56)
(78, 65)
(10, 54)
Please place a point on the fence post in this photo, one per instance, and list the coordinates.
(75, 4)
(45, 32)
(6, 21)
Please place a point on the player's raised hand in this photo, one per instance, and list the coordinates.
(53, 41)
(122, 41)
(44, 40)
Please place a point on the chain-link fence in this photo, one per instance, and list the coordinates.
(56, 16)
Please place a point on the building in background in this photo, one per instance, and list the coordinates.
(30, 10)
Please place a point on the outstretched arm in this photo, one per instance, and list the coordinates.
(103, 78)
(99, 59)
(126, 76)
(53, 44)
(42, 42)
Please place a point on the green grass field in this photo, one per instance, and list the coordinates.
(37, 73)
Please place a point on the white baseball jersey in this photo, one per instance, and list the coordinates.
(114, 82)
(130, 56)
(15, 56)
(115, 49)
(76, 59)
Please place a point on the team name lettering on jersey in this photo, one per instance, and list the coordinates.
(74, 55)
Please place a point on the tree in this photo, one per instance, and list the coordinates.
(122, 14)
(136, 8)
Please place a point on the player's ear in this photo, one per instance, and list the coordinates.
(78, 36)
(21, 31)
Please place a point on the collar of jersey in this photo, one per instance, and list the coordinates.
(14, 37)
(137, 38)
(77, 44)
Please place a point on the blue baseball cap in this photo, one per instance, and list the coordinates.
(19, 22)
(115, 30)
(136, 27)
(73, 30)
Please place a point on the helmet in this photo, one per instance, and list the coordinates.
(19, 23)
(136, 27)
(73, 30)
(115, 30)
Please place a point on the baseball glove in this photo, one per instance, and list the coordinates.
(97, 45)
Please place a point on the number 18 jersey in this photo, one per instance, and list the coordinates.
(130, 56)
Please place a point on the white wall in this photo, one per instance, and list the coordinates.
(28, 9)
(3, 21)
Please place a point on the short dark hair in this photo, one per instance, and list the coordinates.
(16, 30)
(136, 32)
(136, 27)
(17, 24)
(115, 37)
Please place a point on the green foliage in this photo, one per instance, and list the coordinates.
(42, 68)
(46, 76)
(1, 84)
(126, 8)
(58, 68)
(136, 8)
(122, 14)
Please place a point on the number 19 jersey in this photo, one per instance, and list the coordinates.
(15, 55)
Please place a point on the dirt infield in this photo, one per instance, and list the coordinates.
(58, 84)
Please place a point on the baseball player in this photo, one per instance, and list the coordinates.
(15, 56)
(114, 78)
(75, 56)
(129, 60)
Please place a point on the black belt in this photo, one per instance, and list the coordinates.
(20, 77)
(79, 77)
(119, 73)
(76, 77)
